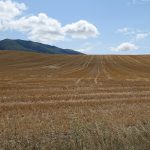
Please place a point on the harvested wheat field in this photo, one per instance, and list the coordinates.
(74, 102)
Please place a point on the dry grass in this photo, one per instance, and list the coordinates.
(74, 102)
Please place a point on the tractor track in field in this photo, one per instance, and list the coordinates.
(86, 65)
(84, 78)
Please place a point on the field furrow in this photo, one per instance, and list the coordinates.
(74, 101)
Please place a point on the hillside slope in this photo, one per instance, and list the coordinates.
(74, 102)
(96, 68)
(30, 46)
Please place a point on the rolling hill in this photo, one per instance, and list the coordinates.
(74, 102)
(21, 45)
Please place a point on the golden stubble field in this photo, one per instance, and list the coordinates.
(70, 102)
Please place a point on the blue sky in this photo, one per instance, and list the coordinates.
(90, 26)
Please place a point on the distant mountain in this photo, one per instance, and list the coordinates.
(21, 45)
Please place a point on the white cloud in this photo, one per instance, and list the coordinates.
(123, 30)
(9, 9)
(145, 0)
(140, 36)
(51, 30)
(126, 31)
(40, 28)
(81, 29)
(139, 1)
(135, 34)
(125, 47)
(88, 47)
(1, 26)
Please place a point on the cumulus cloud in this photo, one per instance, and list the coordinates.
(81, 29)
(41, 28)
(9, 9)
(125, 47)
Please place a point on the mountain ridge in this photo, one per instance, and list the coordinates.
(30, 46)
